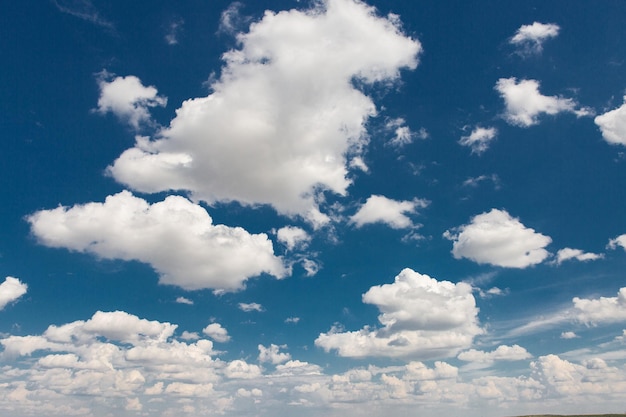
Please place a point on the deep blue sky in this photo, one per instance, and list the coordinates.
(312, 208)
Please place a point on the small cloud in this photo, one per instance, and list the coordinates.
(529, 39)
(183, 300)
(190, 335)
(380, 209)
(569, 254)
(612, 124)
(479, 139)
(248, 307)
(492, 292)
(403, 134)
(293, 237)
(311, 267)
(231, 20)
(11, 290)
(173, 32)
(292, 320)
(568, 335)
(272, 354)
(476, 181)
(216, 332)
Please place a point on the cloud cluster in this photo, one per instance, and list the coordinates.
(284, 118)
(498, 239)
(11, 290)
(524, 103)
(380, 209)
(176, 237)
(529, 39)
(612, 124)
(420, 316)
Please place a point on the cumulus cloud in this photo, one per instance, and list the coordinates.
(479, 139)
(612, 124)
(248, 307)
(380, 209)
(524, 103)
(568, 253)
(502, 353)
(618, 241)
(128, 99)
(176, 237)
(403, 135)
(293, 237)
(273, 355)
(11, 290)
(284, 118)
(601, 310)
(529, 39)
(216, 332)
(498, 239)
(420, 317)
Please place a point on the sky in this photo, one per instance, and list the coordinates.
(333, 207)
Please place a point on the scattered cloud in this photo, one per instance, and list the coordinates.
(274, 84)
(403, 134)
(502, 353)
(380, 209)
(612, 124)
(183, 300)
(248, 307)
(529, 39)
(85, 10)
(568, 335)
(421, 318)
(618, 241)
(524, 103)
(216, 332)
(293, 237)
(479, 139)
(11, 290)
(492, 292)
(273, 355)
(498, 239)
(176, 237)
(231, 20)
(568, 253)
(173, 31)
(292, 320)
(128, 99)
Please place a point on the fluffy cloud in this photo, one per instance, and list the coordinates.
(11, 290)
(380, 209)
(216, 332)
(293, 237)
(248, 307)
(524, 103)
(601, 310)
(421, 318)
(568, 253)
(273, 354)
(502, 353)
(284, 117)
(403, 135)
(618, 241)
(479, 139)
(612, 124)
(176, 237)
(530, 38)
(498, 239)
(128, 99)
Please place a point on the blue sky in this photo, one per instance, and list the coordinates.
(312, 208)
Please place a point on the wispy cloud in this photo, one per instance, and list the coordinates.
(85, 10)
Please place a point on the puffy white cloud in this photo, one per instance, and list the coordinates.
(176, 237)
(479, 139)
(293, 320)
(380, 209)
(216, 332)
(247, 307)
(285, 116)
(530, 38)
(498, 239)
(128, 99)
(524, 103)
(293, 237)
(612, 124)
(11, 290)
(568, 335)
(502, 353)
(239, 369)
(618, 241)
(421, 318)
(568, 253)
(272, 354)
(601, 310)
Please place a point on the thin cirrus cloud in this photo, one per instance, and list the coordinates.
(612, 124)
(176, 237)
(422, 318)
(524, 103)
(236, 144)
(529, 39)
(11, 290)
(380, 209)
(498, 239)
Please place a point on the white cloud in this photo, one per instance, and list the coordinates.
(403, 135)
(618, 241)
(216, 332)
(421, 318)
(601, 310)
(524, 103)
(11, 290)
(479, 139)
(568, 253)
(183, 300)
(380, 209)
(248, 307)
(502, 353)
(612, 124)
(568, 335)
(530, 38)
(284, 118)
(273, 355)
(498, 239)
(176, 237)
(293, 320)
(293, 237)
(128, 99)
